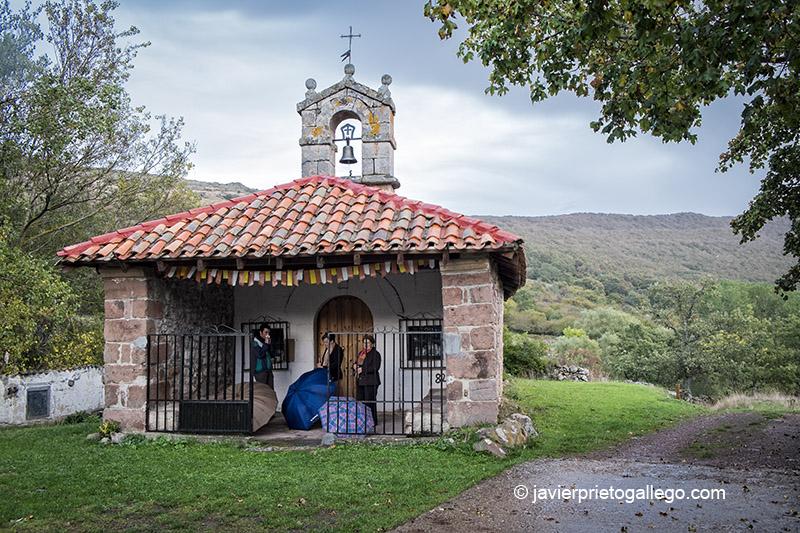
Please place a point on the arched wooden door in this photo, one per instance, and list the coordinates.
(350, 317)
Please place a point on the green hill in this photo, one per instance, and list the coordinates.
(637, 249)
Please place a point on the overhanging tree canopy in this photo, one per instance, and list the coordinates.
(653, 65)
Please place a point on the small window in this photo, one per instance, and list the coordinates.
(38, 402)
(279, 334)
(423, 344)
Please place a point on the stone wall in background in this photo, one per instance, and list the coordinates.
(56, 394)
(188, 306)
(472, 297)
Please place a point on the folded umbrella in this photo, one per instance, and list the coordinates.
(304, 398)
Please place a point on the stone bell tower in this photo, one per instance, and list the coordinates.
(322, 113)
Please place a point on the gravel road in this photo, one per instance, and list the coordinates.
(755, 460)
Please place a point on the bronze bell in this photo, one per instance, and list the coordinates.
(348, 156)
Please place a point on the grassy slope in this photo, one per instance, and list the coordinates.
(52, 475)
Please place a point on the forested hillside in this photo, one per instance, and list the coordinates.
(633, 249)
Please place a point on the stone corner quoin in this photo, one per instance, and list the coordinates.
(472, 300)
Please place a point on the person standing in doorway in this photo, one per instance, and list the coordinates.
(367, 368)
(332, 357)
(261, 356)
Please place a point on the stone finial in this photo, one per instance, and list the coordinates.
(311, 85)
(386, 80)
(349, 70)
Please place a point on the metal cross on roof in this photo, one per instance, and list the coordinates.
(348, 55)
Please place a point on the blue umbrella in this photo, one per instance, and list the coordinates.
(304, 398)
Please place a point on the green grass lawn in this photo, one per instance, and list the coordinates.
(52, 478)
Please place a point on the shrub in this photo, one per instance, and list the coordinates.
(38, 325)
(598, 322)
(576, 348)
(640, 353)
(80, 417)
(37, 305)
(522, 355)
(108, 427)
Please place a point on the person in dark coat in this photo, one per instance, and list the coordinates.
(367, 368)
(332, 357)
(261, 357)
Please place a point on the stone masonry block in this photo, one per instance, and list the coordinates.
(123, 373)
(136, 396)
(452, 343)
(111, 352)
(367, 166)
(127, 329)
(126, 288)
(382, 166)
(455, 390)
(483, 294)
(137, 355)
(309, 168)
(452, 296)
(146, 309)
(472, 413)
(326, 168)
(467, 279)
(483, 390)
(467, 265)
(111, 394)
(115, 308)
(129, 419)
(480, 365)
(470, 315)
(483, 337)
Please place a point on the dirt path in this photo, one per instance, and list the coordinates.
(755, 460)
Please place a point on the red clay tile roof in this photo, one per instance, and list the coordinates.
(310, 216)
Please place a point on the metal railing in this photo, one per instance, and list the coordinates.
(198, 383)
(410, 399)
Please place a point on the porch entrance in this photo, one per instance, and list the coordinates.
(203, 383)
(344, 313)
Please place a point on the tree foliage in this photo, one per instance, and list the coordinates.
(39, 328)
(523, 355)
(76, 156)
(714, 339)
(653, 66)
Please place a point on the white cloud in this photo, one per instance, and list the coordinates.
(236, 77)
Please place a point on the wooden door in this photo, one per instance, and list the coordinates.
(351, 319)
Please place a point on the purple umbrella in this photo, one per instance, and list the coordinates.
(345, 416)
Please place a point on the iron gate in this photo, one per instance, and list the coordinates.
(195, 383)
(410, 399)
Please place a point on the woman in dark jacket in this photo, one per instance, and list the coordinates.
(332, 357)
(367, 368)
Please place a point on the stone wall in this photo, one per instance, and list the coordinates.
(139, 303)
(472, 297)
(69, 391)
(189, 306)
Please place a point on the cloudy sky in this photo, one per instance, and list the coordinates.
(235, 70)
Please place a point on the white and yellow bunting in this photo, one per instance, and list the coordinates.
(292, 278)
